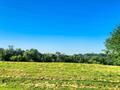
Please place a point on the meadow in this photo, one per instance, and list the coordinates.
(58, 76)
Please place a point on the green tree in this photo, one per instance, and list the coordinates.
(35, 55)
(2, 54)
(32, 55)
(113, 47)
(16, 58)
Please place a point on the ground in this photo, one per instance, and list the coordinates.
(58, 76)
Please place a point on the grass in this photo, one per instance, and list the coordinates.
(58, 76)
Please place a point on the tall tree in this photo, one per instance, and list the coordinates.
(113, 46)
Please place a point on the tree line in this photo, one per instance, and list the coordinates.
(33, 55)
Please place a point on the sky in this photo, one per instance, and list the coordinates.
(68, 26)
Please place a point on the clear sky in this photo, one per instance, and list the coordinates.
(68, 26)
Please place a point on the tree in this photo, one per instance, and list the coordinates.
(16, 58)
(2, 53)
(113, 47)
(58, 54)
(77, 58)
(35, 55)
(27, 56)
(19, 51)
(32, 55)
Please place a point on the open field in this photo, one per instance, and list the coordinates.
(58, 76)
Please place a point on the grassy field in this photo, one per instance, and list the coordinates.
(58, 76)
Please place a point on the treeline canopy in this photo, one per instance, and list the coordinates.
(34, 55)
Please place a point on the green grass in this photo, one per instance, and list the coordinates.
(58, 76)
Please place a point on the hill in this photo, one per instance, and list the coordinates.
(58, 76)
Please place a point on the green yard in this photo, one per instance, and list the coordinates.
(58, 76)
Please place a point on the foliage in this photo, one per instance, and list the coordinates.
(113, 47)
(34, 55)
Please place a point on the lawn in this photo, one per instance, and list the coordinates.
(58, 76)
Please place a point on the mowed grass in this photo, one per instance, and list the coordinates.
(58, 76)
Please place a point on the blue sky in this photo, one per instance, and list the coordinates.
(68, 26)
